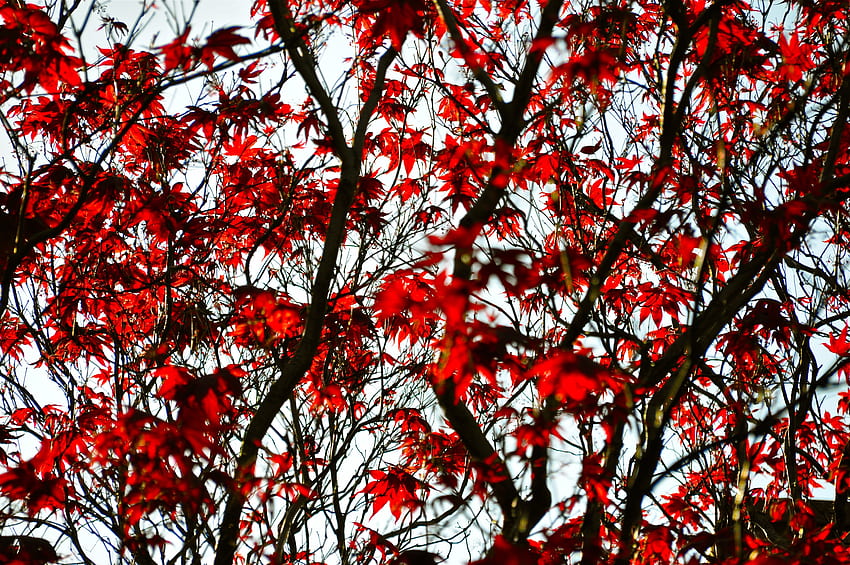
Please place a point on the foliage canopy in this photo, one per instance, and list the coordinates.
(389, 281)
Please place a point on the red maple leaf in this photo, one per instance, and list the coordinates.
(40, 492)
(397, 18)
(396, 488)
(569, 377)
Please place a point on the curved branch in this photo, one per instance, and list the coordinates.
(519, 515)
(297, 366)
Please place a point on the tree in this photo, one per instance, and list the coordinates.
(392, 281)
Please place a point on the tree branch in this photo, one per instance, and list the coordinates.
(519, 515)
(296, 367)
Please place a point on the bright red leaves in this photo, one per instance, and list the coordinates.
(396, 18)
(38, 490)
(180, 55)
(655, 218)
(31, 42)
(205, 400)
(395, 488)
(572, 379)
(264, 319)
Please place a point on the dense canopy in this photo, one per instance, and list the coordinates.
(403, 281)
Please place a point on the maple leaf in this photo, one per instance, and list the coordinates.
(221, 42)
(177, 53)
(839, 344)
(397, 18)
(39, 491)
(569, 377)
(457, 276)
(204, 399)
(396, 488)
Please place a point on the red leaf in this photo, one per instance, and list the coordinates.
(177, 53)
(221, 43)
(396, 488)
(568, 377)
(839, 344)
(40, 492)
(396, 18)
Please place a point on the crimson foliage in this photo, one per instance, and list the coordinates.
(392, 281)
